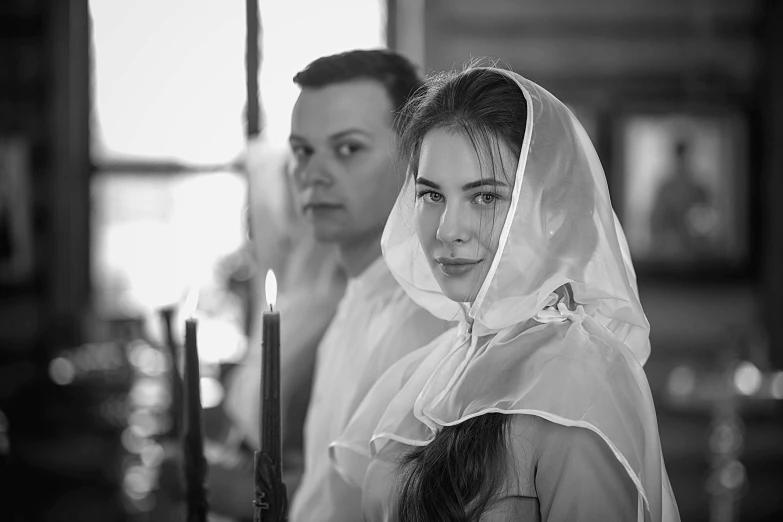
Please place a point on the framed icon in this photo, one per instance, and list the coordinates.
(683, 188)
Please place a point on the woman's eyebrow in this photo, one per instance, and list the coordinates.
(488, 182)
(428, 183)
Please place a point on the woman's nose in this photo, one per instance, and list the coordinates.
(454, 226)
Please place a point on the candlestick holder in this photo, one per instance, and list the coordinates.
(271, 502)
(195, 469)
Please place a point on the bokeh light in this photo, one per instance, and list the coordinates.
(152, 455)
(150, 393)
(138, 482)
(212, 392)
(776, 386)
(747, 378)
(732, 476)
(682, 381)
(61, 371)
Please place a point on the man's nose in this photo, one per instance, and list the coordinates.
(454, 225)
(314, 172)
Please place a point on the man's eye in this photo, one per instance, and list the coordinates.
(347, 150)
(300, 152)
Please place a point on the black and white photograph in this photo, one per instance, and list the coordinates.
(391, 261)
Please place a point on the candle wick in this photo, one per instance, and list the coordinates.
(271, 308)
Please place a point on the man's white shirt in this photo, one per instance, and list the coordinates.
(376, 324)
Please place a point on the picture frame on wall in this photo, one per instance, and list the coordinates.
(16, 227)
(682, 182)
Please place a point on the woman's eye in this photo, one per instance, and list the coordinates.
(347, 150)
(430, 196)
(485, 198)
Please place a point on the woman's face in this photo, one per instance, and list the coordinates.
(460, 209)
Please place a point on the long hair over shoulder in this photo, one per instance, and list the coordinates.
(457, 476)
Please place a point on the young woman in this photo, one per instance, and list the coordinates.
(536, 407)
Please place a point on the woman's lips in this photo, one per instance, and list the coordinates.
(456, 266)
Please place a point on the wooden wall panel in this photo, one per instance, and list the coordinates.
(611, 44)
(594, 12)
(575, 58)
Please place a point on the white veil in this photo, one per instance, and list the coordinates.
(585, 370)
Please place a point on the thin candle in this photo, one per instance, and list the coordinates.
(175, 381)
(270, 417)
(271, 502)
(195, 466)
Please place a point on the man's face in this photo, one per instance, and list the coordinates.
(347, 179)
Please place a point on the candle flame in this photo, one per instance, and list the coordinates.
(270, 285)
(191, 303)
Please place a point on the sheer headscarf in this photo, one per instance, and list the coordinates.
(524, 346)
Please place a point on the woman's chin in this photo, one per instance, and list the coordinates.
(461, 288)
(460, 293)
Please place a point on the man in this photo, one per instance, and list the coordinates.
(343, 137)
(346, 177)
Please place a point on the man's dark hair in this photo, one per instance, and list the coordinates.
(392, 70)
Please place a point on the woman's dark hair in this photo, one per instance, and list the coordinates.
(483, 104)
(457, 476)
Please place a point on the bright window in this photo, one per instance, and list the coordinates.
(169, 80)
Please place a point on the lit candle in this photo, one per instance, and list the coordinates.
(269, 434)
(193, 434)
(271, 500)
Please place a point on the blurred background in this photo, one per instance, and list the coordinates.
(136, 170)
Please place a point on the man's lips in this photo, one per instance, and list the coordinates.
(320, 206)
